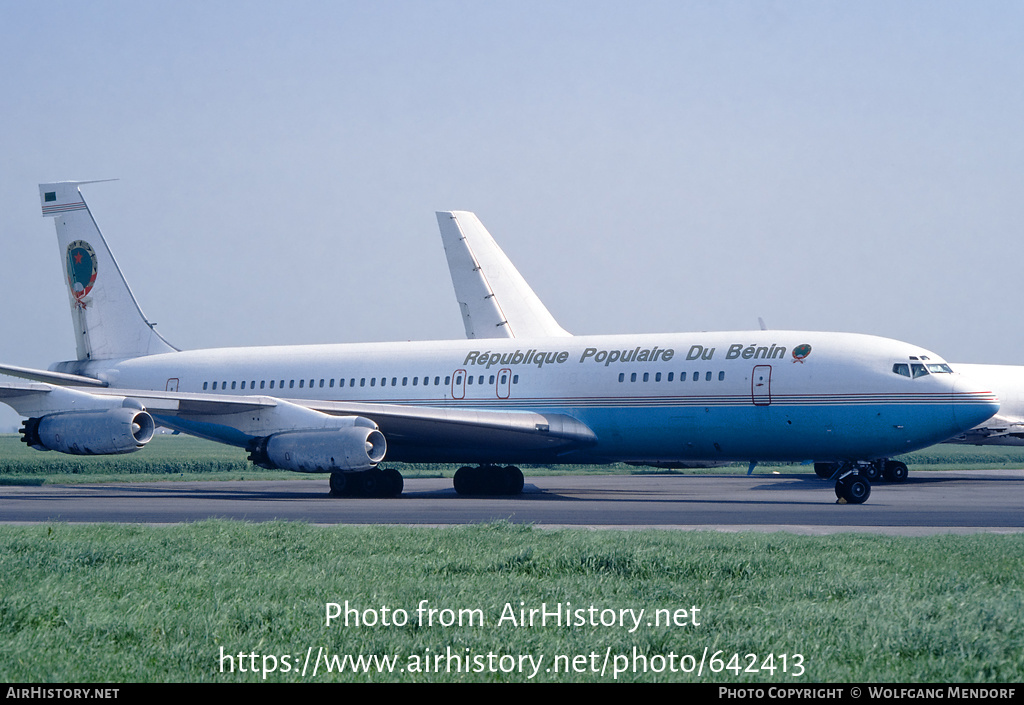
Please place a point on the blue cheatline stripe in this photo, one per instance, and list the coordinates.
(740, 400)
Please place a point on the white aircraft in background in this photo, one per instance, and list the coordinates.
(496, 302)
(541, 396)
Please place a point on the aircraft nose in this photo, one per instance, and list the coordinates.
(973, 403)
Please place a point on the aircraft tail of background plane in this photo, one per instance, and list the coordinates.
(108, 321)
(495, 300)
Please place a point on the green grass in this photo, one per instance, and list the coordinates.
(143, 604)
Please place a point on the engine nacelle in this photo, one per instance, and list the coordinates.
(106, 432)
(350, 449)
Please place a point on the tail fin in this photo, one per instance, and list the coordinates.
(496, 301)
(108, 321)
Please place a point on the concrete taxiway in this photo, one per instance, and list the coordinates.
(929, 502)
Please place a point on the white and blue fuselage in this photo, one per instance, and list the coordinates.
(755, 395)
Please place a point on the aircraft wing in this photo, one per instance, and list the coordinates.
(437, 434)
(1007, 427)
(997, 431)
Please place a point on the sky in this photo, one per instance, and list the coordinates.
(648, 166)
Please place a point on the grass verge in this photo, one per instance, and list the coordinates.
(145, 604)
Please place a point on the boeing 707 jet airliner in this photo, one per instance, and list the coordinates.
(541, 396)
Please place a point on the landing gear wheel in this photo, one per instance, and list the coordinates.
(338, 484)
(489, 480)
(824, 470)
(873, 471)
(853, 488)
(514, 480)
(895, 471)
(374, 483)
(395, 482)
(465, 480)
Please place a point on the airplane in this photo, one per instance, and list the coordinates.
(487, 403)
(496, 302)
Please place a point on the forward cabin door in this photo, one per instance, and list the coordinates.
(761, 385)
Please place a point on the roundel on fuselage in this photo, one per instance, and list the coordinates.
(81, 269)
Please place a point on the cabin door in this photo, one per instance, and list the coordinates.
(503, 385)
(761, 385)
(459, 384)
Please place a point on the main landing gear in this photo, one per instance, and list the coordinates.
(379, 482)
(885, 469)
(489, 480)
(853, 480)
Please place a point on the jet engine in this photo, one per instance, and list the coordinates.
(350, 449)
(106, 432)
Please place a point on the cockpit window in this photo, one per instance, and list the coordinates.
(919, 369)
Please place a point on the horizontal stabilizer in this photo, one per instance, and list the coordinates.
(59, 379)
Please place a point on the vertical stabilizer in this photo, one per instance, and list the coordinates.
(108, 321)
(495, 300)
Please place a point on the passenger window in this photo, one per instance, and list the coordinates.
(721, 376)
(271, 384)
(470, 379)
(263, 383)
(515, 379)
(448, 379)
(657, 377)
(647, 376)
(632, 377)
(707, 376)
(205, 385)
(302, 383)
(622, 376)
(437, 381)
